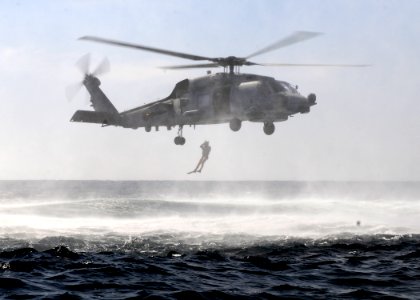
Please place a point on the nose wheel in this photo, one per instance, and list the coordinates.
(269, 128)
(179, 140)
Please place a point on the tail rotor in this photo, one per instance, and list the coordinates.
(83, 64)
(103, 68)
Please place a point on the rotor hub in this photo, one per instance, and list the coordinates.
(231, 62)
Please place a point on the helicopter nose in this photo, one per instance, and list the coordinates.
(312, 99)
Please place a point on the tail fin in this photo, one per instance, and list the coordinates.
(105, 112)
(100, 102)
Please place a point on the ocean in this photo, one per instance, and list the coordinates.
(209, 240)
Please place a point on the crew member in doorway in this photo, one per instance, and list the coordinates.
(204, 157)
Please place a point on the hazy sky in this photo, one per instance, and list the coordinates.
(365, 126)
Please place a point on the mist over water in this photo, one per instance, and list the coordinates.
(197, 212)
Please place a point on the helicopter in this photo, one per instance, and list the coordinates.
(227, 97)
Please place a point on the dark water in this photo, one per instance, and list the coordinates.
(209, 240)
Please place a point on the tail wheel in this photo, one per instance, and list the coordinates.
(235, 124)
(269, 128)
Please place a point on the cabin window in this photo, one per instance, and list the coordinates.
(204, 100)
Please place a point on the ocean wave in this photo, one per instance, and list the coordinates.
(335, 267)
(207, 240)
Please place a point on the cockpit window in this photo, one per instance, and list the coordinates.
(280, 86)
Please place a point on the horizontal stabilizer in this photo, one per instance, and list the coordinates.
(94, 117)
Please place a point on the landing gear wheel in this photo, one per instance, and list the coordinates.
(179, 140)
(148, 128)
(269, 128)
(235, 124)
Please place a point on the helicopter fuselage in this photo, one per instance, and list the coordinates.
(221, 98)
(212, 99)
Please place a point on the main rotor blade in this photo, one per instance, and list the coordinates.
(211, 65)
(313, 65)
(140, 47)
(294, 38)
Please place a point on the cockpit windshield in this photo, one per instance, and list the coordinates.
(281, 86)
